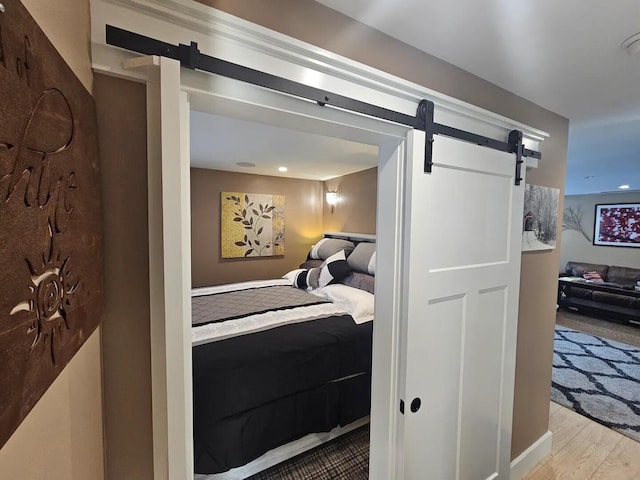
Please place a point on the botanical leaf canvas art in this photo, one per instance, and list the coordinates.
(252, 225)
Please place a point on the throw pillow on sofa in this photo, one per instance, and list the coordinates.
(593, 277)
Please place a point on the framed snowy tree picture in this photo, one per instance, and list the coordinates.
(540, 218)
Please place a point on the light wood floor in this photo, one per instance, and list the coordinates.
(585, 450)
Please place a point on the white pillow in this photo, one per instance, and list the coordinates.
(372, 264)
(358, 303)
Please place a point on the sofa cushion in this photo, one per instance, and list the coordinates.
(584, 293)
(623, 275)
(615, 299)
(577, 269)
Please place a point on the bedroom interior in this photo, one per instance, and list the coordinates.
(314, 165)
(132, 340)
(294, 169)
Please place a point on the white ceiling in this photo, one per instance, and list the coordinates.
(564, 55)
(220, 143)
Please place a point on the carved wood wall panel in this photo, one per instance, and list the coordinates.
(50, 219)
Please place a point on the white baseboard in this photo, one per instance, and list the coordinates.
(519, 466)
(531, 456)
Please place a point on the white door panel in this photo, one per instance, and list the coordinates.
(434, 447)
(480, 416)
(462, 265)
(462, 236)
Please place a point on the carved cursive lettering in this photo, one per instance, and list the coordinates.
(23, 66)
(36, 169)
(63, 205)
(2, 59)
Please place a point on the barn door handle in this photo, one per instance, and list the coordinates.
(416, 403)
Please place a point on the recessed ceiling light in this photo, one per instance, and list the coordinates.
(632, 45)
(623, 187)
(282, 169)
(246, 164)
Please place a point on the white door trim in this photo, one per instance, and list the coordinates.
(170, 253)
(254, 101)
(385, 442)
(169, 269)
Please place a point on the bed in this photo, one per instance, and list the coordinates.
(274, 361)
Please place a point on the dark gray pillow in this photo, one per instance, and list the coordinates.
(334, 269)
(330, 246)
(362, 258)
(311, 264)
(361, 281)
(307, 278)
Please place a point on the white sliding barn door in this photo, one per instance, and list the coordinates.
(462, 273)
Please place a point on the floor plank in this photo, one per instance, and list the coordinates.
(585, 450)
(601, 436)
(565, 424)
(623, 463)
(554, 407)
(577, 460)
(536, 468)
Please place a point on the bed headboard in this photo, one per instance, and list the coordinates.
(362, 281)
(352, 237)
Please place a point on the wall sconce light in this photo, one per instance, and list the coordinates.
(332, 199)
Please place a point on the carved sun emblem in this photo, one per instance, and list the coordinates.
(50, 290)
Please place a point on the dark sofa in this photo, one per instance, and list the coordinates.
(615, 297)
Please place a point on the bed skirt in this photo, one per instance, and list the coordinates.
(239, 439)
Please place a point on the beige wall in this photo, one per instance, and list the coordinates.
(308, 20)
(538, 291)
(67, 24)
(126, 351)
(307, 216)
(356, 211)
(303, 225)
(61, 438)
(575, 247)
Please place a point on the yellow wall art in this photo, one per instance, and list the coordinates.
(252, 225)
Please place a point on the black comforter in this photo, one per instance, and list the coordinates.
(257, 391)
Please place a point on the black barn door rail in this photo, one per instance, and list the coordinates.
(190, 57)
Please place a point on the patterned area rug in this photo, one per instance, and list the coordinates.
(599, 379)
(345, 458)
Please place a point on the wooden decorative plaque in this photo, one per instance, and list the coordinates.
(50, 218)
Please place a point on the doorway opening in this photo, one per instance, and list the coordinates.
(284, 256)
